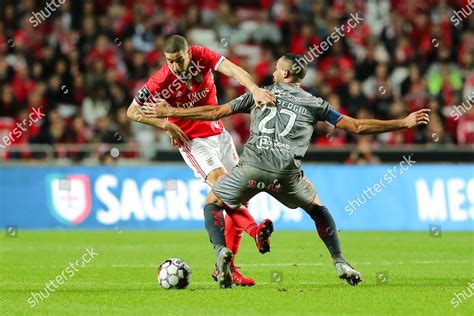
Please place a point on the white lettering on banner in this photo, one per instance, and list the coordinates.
(126, 201)
(111, 214)
(453, 198)
(262, 209)
(264, 206)
(154, 205)
(131, 201)
(470, 196)
(177, 201)
(289, 215)
(199, 190)
(456, 199)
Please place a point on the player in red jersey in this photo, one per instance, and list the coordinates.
(207, 148)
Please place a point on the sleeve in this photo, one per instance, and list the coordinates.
(142, 96)
(147, 92)
(325, 112)
(210, 58)
(242, 104)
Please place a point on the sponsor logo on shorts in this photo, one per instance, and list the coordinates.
(265, 142)
(274, 187)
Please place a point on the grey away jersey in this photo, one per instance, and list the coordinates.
(280, 135)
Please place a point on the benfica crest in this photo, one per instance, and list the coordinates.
(199, 78)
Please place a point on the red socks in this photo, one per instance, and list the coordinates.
(242, 218)
(233, 236)
(236, 221)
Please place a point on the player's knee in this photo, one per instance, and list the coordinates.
(215, 175)
(317, 201)
(213, 199)
(314, 210)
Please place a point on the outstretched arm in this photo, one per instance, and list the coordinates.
(176, 134)
(199, 113)
(368, 126)
(136, 115)
(260, 95)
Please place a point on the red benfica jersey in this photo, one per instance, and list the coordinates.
(165, 84)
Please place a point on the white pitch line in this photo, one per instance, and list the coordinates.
(146, 285)
(308, 264)
(73, 248)
(275, 264)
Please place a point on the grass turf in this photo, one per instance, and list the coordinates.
(422, 274)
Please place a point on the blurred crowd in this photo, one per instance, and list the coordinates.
(81, 62)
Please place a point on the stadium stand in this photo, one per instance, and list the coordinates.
(81, 63)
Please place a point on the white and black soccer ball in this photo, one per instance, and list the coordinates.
(174, 274)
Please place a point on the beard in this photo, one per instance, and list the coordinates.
(184, 75)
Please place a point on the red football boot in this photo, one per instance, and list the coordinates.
(239, 279)
(262, 239)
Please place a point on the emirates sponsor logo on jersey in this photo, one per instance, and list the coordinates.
(199, 95)
(195, 97)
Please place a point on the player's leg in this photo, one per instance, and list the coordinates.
(244, 180)
(327, 231)
(230, 159)
(233, 230)
(242, 215)
(298, 191)
(203, 156)
(238, 219)
(229, 191)
(214, 223)
(214, 219)
(233, 235)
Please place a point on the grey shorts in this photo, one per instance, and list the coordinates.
(244, 182)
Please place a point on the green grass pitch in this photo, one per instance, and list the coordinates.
(420, 274)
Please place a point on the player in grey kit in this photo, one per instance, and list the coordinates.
(271, 160)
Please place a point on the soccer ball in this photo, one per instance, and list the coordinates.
(174, 274)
